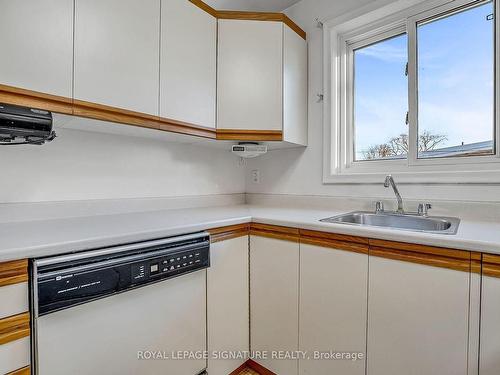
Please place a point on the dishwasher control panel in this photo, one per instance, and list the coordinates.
(171, 265)
(81, 279)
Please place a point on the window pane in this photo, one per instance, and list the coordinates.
(381, 100)
(456, 84)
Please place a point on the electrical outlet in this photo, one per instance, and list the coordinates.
(256, 176)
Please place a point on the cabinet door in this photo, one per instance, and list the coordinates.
(36, 38)
(250, 70)
(489, 359)
(274, 301)
(333, 301)
(117, 53)
(188, 63)
(228, 311)
(294, 87)
(417, 319)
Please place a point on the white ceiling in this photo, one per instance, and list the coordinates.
(252, 5)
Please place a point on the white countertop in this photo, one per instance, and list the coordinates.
(28, 239)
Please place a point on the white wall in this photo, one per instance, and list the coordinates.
(299, 171)
(82, 165)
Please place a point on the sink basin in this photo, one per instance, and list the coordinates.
(427, 224)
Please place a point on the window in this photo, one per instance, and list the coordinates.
(455, 58)
(414, 91)
(380, 99)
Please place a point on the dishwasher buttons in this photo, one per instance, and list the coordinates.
(154, 268)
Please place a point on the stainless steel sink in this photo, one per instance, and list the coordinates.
(411, 222)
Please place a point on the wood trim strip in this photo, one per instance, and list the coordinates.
(422, 249)
(336, 245)
(292, 25)
(229, 232)
(275, 231)
(207, 8)
(475, 262)
(261, 16)
(249, 135)
(334, 241)
(250, 16)
(456, 264)
(491, 258)
(34, 99)
(59, 104)
(14, 327)
(332, 236)
(180, 127)
(22, 371)
(458, 260)
(13, 272)
(490, 265)
(112, 114)
(259, 368)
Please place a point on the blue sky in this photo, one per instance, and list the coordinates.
(455, 71)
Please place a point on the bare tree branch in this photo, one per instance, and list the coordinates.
(398, 146)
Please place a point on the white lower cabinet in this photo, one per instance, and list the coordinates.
(228, 311)
(418, 318)
(333, 301)
(274, 301)
(489, 353)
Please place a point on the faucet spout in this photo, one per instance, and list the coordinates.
(389, 181)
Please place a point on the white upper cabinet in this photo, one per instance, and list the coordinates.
(294, 87)
(117, 53)
(250, 75)
(418, 319)
(262, 79)
(36, 38)
(188, 67)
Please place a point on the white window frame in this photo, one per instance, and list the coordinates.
(376, 22)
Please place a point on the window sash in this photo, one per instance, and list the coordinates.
(412, 24)
(393, 26)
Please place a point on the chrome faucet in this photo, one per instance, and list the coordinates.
(389, 181)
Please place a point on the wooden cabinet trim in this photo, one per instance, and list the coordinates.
(334, 241)
(275, 231)
(457, 264)
(13, 272)
(459, 260)
(207, 8)
(423, 249)
(335, 245)
(14, 327)
(229, 232)
(22, 371)
(475, 262)
(106, 113)
(490, 265)
(306, 233)
(249, 135)
(292, 25)
(252, 16)
(180, 127)
(57, 104)
(28, 98)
